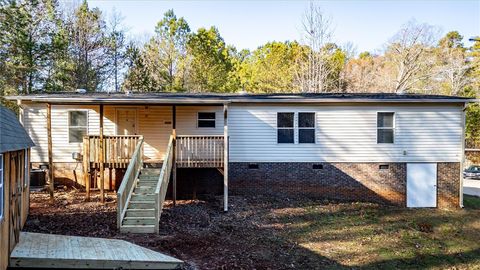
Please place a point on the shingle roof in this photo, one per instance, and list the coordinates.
(12, 134)
(162, 97)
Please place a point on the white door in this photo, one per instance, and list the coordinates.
(421, 184)
(126, 121)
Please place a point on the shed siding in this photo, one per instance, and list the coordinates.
(348, 134)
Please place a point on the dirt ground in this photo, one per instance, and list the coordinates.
(198, 232)
(280, 233)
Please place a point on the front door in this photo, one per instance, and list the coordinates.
(126, 121)
(421, 185)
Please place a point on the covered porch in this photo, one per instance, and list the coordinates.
(137, 146)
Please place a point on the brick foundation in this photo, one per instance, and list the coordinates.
(344, 181)
(448, 185)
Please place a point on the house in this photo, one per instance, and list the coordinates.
(405, 150)
(14, 182)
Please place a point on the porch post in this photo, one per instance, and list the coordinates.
(101, 158)
(50, 151)
(174, 158)
(225, 157)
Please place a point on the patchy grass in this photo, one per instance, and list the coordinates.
(283, 233)
(368, 236)
(471, 202)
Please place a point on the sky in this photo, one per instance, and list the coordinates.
(249, 24)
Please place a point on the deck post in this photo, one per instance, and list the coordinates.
(225, 157)
(87, 176)
(50, 151)
(101, 158)
(174, 158)
(85, 164)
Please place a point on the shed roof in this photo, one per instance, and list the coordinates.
(218, 98)
(12, 134)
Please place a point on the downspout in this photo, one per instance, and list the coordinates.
(462, 161)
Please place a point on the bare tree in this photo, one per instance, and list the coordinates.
(116, 49)
(454, 69)
(313, 72)
(408, 51)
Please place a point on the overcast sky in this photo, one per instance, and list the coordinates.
(249, 24)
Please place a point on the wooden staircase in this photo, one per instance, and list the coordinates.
(142, 193)
(140, 215)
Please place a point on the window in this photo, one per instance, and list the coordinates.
(385, 127)
(77, 126)
(285, 131)
(306, 127)
(1, 188)
(206, 120)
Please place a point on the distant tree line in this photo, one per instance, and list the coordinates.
(48, 47)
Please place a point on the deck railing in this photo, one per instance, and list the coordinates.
(202, 151)
(118, 150)
(128, 182)
(163, 180)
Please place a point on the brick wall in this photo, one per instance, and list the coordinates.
(344, 181)
(448, 184)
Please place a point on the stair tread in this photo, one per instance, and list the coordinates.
(138, 226)
(125, 218)
(138, 210)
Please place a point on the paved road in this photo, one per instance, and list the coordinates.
(471, 187)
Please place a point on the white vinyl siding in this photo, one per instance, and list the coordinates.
(35, 119)
(154, 123)
(187, 120)
(347, 133)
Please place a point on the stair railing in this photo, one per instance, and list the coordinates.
(124, 193)
(162, 184)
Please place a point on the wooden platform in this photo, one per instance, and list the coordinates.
(72, 252)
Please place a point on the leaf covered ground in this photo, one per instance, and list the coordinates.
(261, 232)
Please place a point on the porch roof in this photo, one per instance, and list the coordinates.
(219, 98)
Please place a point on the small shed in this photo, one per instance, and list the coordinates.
(15, 147)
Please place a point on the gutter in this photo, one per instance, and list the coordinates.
(163, 100)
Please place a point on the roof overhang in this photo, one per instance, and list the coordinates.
(219, 99)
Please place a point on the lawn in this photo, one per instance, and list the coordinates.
(284, 233)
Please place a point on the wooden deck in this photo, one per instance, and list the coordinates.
(73, 252)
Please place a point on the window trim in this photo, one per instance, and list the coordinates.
(2, 188)
(314, 127)
(292, 128)
(68, 124)
(393, 128)
(213, 120)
